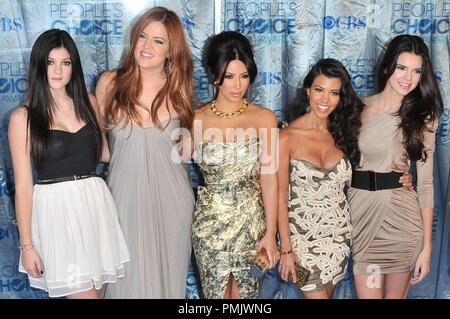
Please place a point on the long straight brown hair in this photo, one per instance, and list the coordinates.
(123, 96)
(421, 106)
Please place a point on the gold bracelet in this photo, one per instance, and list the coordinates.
(286, 252)
(24, 249)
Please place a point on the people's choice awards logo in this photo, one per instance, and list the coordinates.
(420, 18)
(13, 81)
(267, 21)
(96, 23)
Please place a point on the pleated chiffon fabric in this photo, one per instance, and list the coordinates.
(155, 204)
(76, 233)
(387, 224)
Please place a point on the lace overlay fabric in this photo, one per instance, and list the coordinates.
(319, 221)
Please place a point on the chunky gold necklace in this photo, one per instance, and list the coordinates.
(228, 114)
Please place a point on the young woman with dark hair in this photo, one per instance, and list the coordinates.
(70, 239)
(144, 102)
(235, 214)
(317, 152)
(393, 225)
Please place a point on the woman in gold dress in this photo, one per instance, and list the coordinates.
(236, 211)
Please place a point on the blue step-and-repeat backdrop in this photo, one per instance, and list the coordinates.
(288, 38)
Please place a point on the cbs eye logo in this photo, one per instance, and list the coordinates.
(344, 22)
(13, 85)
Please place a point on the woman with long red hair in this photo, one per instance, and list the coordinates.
(143, 102)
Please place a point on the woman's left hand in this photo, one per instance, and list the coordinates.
(269, 244)
(422, 266)
(406, 180)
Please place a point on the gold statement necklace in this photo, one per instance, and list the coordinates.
(228, 114)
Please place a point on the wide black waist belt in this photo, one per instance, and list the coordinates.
(73, 177)
(373, 181)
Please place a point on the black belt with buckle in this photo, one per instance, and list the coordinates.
(373, 181)
(73, 177)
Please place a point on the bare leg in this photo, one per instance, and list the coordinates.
(325, 294)
(90, 294)
(232, 291)
(397, 285)
(369, 286)
(99, 292)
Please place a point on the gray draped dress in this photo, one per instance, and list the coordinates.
(155, 203)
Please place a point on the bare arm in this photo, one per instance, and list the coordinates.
(269, 187)
(23, 179)
(287, 260)
(101, 121)
(101, 91)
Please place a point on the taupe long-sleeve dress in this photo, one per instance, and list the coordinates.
(387, 224)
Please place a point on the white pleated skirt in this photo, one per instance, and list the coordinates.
(76, 233)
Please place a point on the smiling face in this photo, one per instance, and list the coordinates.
(235, 82)
(59, 68)
(407, 73)
(152, 47)
(324, 95)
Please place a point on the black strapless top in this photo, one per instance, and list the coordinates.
(69, 154)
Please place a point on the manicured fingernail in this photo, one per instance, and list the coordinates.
(415, 276)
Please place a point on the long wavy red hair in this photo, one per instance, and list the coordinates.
(127, 86)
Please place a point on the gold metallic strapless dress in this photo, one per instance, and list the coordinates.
(229, 218)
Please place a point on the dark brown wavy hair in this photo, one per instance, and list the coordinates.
(344, 122)
(420, 106)
(179, 68)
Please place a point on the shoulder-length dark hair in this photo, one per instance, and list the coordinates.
(221, 49)
(179, 68)
(420, 106)
(344, 122)
(41, 104)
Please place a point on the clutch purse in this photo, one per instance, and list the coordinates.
(301, 274)
(260, 263)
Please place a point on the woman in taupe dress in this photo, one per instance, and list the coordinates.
(392, 225)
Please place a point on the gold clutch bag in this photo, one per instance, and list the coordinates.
(260, 263)
(301, 274)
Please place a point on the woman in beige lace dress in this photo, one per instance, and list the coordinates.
(317, 152)
(392, 225)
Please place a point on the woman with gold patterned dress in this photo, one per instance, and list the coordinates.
(236, 211)
(317, 152)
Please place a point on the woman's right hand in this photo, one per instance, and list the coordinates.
(32, 263)
(287, 264)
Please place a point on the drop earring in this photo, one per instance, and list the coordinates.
(308, 108)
